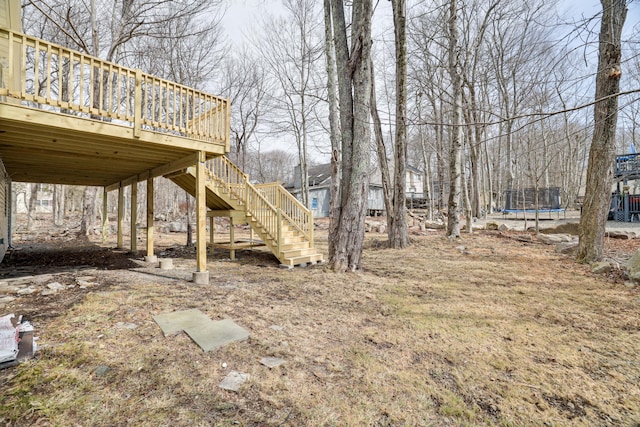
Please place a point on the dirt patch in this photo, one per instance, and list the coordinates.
(500, 332)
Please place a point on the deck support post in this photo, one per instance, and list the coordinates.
(201, 275)
(212, 230)
(150, 257)
(232, 239)
(134, 216)
(105, 214)
(120, 216)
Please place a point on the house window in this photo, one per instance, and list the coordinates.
(314, 203)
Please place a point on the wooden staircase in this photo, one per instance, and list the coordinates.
(282, 222)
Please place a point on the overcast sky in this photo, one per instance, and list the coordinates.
(244, 16)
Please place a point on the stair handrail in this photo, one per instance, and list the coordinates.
(225, 173)
(293, 210)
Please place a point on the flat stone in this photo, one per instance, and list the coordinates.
(102, 370)
(84, 284)
(213, 335)
(6, 299)
(55, 286)
(630, 285)
(233, 381)
(271, 362)
(208, 334)
(553, 239)
(276, 327)
(613, 234)
(523, 238)
(491, 226)
(48, 292)
(85, 279)
(126, 325)
(177, 321)
(601, 267)
(25, 291)
(567, 247)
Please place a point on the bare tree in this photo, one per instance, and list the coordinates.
(398, 234)
(292, 49)
(354, 83)
(457, 134)
(334, 116)
(602, 152)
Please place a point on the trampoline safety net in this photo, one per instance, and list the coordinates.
(525, 199)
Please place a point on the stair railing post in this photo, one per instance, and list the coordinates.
(311, 229)
(137, 104)
(279, 225)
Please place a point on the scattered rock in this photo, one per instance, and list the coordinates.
(461, 248)
(434, 225)
(601, 267)
(620, 235)
(102, 370)
(6, 299)
(126, 325)
(276, 327)
(382, 228)
(492, 226)
(504, 227)
(48, 292)
(84, 284)
(633, 267)
(233, 381)
(554, 239)
(55, 286)
(271, 362)
(177, 227)
(25, 291)
(566, 228)
(630, 285)
(567, 247)
(523, 238)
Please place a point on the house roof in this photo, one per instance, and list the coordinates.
(319, 174)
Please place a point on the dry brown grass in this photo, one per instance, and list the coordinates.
(502, 333)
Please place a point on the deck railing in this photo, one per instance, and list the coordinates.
(294, 211)
(56, 78)
(269, 204)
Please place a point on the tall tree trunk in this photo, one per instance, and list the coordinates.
(455, 156)
(58, 204)
(354, 82)
(88, 211)
(602, 153)
(398, 234)
(334, 122)
(381, 150)
(31, 208)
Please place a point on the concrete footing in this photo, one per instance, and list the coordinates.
(151, 259)
(166, 264)
(201, 277)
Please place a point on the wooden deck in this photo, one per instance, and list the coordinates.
(69, 118)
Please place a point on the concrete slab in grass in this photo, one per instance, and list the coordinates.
(208, 334)
(213, 335)
(177, 321)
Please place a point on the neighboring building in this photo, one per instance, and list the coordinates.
(44, 198)
(320, 189)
